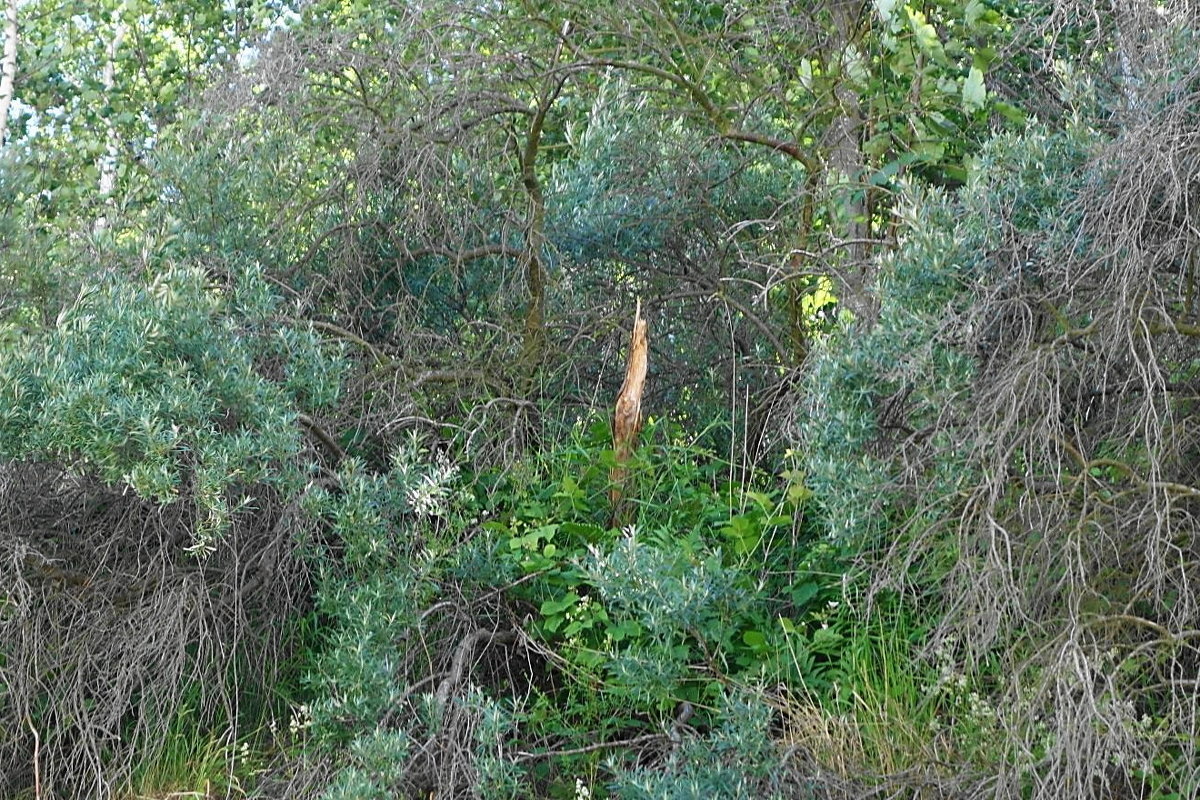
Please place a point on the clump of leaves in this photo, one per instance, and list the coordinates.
(515, 607)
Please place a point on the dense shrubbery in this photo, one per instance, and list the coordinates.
(154, 467)
(992, 437)
(307, 486)
(515, 604)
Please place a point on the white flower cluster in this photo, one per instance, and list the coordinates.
(952, 685)
(577, 613)
(301, 719)
(949, 676)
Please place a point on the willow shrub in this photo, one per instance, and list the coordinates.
(150, 459)
(1009, 447)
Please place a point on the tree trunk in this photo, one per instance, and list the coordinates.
(535, 234)
(112, 150)
(8, 68)
(846, 165)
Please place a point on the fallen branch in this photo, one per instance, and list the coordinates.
(682, 715)
(322, 436)
(645, 738)
(463, 653)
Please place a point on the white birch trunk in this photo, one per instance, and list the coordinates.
(8, 68)
(112, 150)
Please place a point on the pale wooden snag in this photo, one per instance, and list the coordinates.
(627, 412)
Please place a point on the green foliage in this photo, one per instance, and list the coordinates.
(957, 436)
(99, 81)
(993, 479)
(372, 592)
(711, 575)
(714, 583)
(736, 759)
(194, 757)
(377, 760)
(156, 386)
(632, 180)
(870, 391)
(857, 377)
(933, 60)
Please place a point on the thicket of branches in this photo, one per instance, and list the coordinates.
(1028, 415)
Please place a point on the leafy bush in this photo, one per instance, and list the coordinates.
(152, 467)
(513, 638)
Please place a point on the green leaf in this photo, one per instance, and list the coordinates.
(878, 144)
(552, 607)
(805, 592)
(1010, 112)
(805, 74)
(926, 35)
(754, 639)
(930, 152)
(578, 530)
(973, 12)
(546, 532)
(627, 629)
(886, 9)
(881, 177)
(974, 93)
(761, 498)
(825, 640)
(955, 172)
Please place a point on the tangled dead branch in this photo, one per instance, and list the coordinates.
(1078, 535)
(110, 627)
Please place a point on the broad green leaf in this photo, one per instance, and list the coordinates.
(1010, 112)
(855, 65)
(930, 152)
(926, 34)
(886, 9)
(878, 144)
(825, 640)
(888, 171)
(805, 592)
(754, 639)
(974, 93)
(805, 74)
(973, 12)
(552, 607)
(589, 533)
(625, 629)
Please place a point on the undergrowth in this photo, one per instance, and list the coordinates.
(497, 633)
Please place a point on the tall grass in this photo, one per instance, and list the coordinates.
(894, 710)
